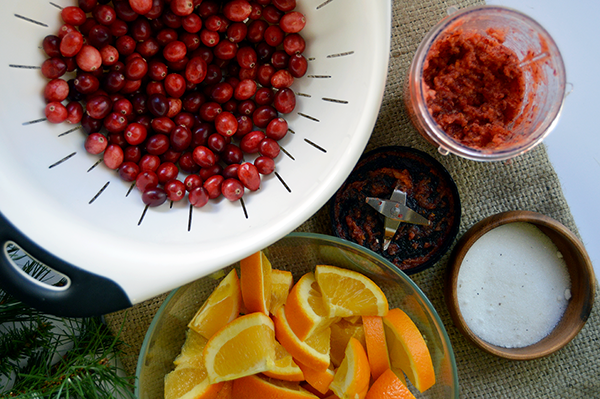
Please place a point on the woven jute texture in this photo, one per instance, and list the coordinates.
(526, 183)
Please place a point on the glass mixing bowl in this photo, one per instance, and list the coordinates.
(298, 253)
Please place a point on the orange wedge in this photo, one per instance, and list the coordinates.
(407, 349)
(341, 331)
(304, 308)
(285, 367)
(244, 346)
(312, 352)
(389, 386)
(222, 306)
(255, 276)
(191, 351)
(226, 391)
(281, 284)
(376, 346)
(351, 380)
(319, 380)
(259, 387)
(349, 293)
(189, 383)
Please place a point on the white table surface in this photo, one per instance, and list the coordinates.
(574, 146)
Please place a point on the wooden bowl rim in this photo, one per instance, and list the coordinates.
(465, 243)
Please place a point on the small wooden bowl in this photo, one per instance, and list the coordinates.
(583, 284)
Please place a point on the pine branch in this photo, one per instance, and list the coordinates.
(50, 357)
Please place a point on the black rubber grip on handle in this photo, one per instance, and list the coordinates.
(87, 295)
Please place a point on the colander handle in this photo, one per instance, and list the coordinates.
(85, 295)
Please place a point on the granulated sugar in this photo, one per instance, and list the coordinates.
(513, 286)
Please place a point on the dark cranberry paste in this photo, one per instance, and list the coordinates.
(475, 87)
(430, 191)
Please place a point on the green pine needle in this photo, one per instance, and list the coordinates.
(48, 357)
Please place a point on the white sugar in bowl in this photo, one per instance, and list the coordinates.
(520, 285)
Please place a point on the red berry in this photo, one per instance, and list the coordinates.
(292, 22)
(249, 176)
(195, 70)
(89, 58)
(282, 79)
(154, 196)
(204, 157)
(74, 112)
(277, 129)
(182, 7)
(95, 143)
(284, 5)
(56, 90)
(212, 185)
(141, 6)
(232, 189)
(237, 10)
(113, 156)
(297, 65)
(128, 171)
(53, 68)
(198, 197)
(192, 181)
(146, 180)
(250, 142)
(51, 46)
(166, 171)
(135, 133)
(226, 124)
(264, 165)
(71, 44)
(269, 148)
(285, 101)
(175, 190)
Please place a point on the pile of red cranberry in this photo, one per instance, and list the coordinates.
(169, 88)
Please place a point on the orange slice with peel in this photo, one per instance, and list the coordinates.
(189, 383)
(221, 307)
(259, 387)
(312, 352)
(191, 351)
(389, 386)
(285, 367)
(349, 293)
(407, 349)
(255, 278)
(377, 350)
(226, 391)
(305, 309)
(351, 380)
(319, 380)
(341, 331)
(281, 284)
(244, 346)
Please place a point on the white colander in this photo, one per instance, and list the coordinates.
(80, 219)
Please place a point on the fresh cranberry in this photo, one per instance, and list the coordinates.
(95, 143)
(56, 90)
(249, 176)
(232, 189)
(198, 197)
(292, 22)
(285, 101)
(154, 196)
(113, 156)
(264, 165)
(175, 190)
(129, 171)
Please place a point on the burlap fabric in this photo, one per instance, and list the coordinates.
(526, 183)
